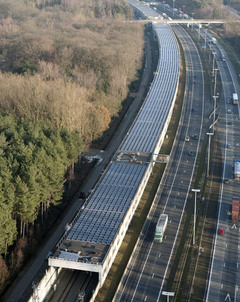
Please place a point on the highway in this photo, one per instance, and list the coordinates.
(147, 272)
(224, 280)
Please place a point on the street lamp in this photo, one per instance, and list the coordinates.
(173, 7)
(183, 11)
(213, 53)
(209, 143)
(194, 218)
(215, 80)
(192, 19)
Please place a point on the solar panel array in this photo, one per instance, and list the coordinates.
(146, 10)
(101, 219)
(107, 207)
(147, 128)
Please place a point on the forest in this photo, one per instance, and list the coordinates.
(66, 66)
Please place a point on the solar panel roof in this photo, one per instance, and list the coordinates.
(147, 127)
(145, 9)
(107, 207)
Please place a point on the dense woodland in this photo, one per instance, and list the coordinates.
(65, 68)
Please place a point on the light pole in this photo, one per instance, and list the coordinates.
(205, 39)
(192, 19)
(194, 217)
(183, 11)
(215, 80)
(173, 7)
(214, 111)
(209, 143)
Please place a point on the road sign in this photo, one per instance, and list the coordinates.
(203, 46)
(168, 294)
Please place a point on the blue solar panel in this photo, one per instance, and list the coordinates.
(107, 207)
(147, 128)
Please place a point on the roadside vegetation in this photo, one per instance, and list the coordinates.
(66, 66)
(217, 9)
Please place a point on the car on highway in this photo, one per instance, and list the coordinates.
(195, 137)
(221, 232)
(190, 153)
(229, 111)
(229, 146)
(187, 139)
(228, 101)
(230, 123)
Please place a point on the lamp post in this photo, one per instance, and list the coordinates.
(215, 80)
(192, 19)
(213, 53)
(173, 7)
(209, 143)
(205, 39)
(183, 11)
(194, 217)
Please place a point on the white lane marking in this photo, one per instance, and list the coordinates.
(153, 275)
(174, 206)
(224, 264)
(221, 286)
(165, 237)
(235, 294)
(159, 255)
(145, 298)
(226, 245)
(184, 171)
(181, 181)
(227, 298)
(170, 221)
(178, 193)
(237, 265)
(149, 251)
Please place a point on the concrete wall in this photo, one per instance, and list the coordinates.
(41, 290)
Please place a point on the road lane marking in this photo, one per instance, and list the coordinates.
(221, 286)
(170, 221)
(153, 275)
(226, 245)
(174, 206)
(224, 264)
(178, 193)
(145, 298)
(181, 181)
(184, 171)
(227, 298)
(159, 255)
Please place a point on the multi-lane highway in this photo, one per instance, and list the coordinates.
(224, 277)
(147, 273)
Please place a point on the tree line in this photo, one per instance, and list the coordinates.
(65, 69)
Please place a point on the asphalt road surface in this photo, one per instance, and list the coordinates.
(146, 275)
(224, 278)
